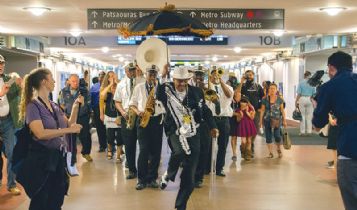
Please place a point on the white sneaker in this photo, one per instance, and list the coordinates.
(72, 170)
(164, 181)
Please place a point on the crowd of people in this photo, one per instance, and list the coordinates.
(143, 107)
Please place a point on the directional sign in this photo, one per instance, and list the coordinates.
(221, 19)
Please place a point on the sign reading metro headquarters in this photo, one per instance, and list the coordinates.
(220, 19)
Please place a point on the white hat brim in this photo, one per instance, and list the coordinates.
(185, 76)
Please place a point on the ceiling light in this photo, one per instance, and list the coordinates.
(105, 49)
(214, 59)
(278, 33)
(207, 62)
(332, 11)
(121, 59)
(37, 11)
(76, 32)
(237, 49)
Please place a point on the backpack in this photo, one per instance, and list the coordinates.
(24, 140)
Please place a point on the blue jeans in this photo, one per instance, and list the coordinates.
(347, 181)
(7, 132)
(269, 132)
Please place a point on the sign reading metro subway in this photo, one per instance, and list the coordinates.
(221, 19)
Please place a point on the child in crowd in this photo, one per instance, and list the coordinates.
(246, 128)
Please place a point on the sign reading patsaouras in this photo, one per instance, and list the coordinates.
(222, 19)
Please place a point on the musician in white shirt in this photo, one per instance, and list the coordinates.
(149, 135)
(122, 96)
(221, 115)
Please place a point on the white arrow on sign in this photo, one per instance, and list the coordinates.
(94, 23)
(94, 13)
(192, 14)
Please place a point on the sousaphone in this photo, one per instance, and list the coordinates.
(152, 51)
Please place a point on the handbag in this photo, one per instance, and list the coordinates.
(297, 114)
(274, 123)
(286, 140)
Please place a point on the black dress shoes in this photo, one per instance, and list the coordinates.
(131, 175)
(140, 186)
(221, 173)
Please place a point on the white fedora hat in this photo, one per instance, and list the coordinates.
(181, 72)
(2, 59)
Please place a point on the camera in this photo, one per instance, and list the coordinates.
(315, 80)
(83, 87)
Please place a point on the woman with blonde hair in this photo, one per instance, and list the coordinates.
(43, 173)
(272, 116)
(110, 115)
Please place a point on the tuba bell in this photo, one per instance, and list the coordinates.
(152, 51)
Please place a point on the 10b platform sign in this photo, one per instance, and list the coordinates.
(269, 40)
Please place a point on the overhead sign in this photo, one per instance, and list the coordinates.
(177, 40)
(221, 19)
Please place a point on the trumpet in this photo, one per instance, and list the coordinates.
(220, 72)
(210, 95)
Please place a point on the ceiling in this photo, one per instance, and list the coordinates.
(302, 17)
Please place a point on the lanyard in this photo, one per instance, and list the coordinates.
(53, 114)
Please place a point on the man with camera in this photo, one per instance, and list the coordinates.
(303, 101)
(255, 94)
(339, 96)
(68, 97)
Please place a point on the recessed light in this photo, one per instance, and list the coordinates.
(214, 59)
(278, 33)
(75, 32)
(37, 11)
(121, 59)
(105, 49)
(332, 11)
(237, 49)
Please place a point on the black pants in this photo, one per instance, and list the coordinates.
(101, 131)
(1, 160)
(150, 143)
(84, 135)
(205, 145)
(190, 162)
(129, 139)
(51, 195)
(114, 137)
(223, 138)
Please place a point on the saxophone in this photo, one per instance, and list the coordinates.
(149, 109)
(130, 123)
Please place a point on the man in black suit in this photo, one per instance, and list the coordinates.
(185, 108)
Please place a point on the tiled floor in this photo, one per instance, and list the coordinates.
(298, 181)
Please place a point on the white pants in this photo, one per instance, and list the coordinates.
(306, 110)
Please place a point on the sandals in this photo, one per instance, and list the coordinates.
(280, 154)
(270, 155)
(109, 155)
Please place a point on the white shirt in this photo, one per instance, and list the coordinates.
(224, 101)
(123, 94)
(4, 103)
(140, 96)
